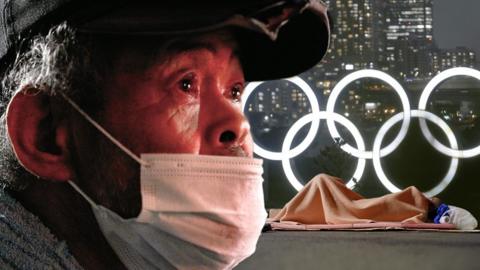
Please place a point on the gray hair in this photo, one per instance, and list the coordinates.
(50, 64)
(53, 63)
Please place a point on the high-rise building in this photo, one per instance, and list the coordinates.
(458, 57)
(277, 103)
(405, 34)
(352, 38)
(393, 35)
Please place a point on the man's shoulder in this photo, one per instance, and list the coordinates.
(25, 243)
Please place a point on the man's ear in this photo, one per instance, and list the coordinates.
(39, 141)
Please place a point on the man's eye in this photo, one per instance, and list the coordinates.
(186, 85)
(236, 93)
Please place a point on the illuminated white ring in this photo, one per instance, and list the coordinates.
(422, 105)
(340, 86)
(397, 118)
(312, 117)
(311, 133)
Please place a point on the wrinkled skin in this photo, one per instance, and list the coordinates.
(181, 105)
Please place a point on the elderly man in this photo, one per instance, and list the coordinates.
(124, 142)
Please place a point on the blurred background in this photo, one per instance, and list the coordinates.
(412, 41)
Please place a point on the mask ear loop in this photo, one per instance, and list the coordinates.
(106, 133)
(90, 201)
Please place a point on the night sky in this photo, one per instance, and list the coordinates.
(457, 23)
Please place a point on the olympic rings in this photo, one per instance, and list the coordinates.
(396, 86)
(377, 152)
(397, 118)
(422, 105)
(315, 117)
(311, 133)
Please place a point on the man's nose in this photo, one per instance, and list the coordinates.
(228, 126)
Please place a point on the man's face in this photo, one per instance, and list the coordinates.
(187, 102)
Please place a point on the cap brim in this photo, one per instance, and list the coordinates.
(300, 44)
(274, 41)
(287, 50)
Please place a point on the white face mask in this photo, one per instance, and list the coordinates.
(198, 212)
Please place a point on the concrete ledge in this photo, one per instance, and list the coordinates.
(366, 250)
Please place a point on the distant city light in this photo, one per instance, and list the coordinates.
(312, 118)
(422, 115)
(370, 105)
(250, 88)
(369, 73)
(422, 105)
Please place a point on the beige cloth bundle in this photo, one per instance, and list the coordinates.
(326, 200)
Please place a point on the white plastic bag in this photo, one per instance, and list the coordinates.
(459, 217)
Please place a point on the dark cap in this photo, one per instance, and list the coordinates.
(277, 38)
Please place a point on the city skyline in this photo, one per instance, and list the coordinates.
(393, 36)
